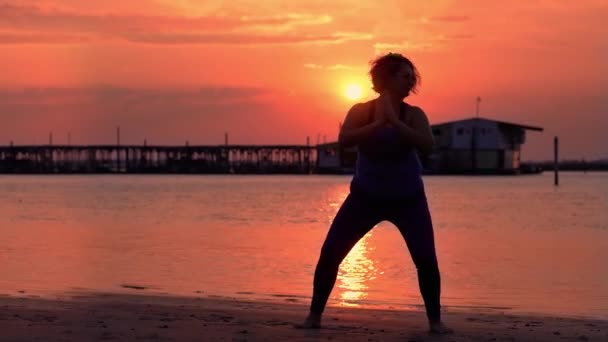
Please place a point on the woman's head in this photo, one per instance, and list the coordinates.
(394, 73)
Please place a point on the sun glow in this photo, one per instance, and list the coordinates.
(353, 91)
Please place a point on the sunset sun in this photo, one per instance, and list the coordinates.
(353, 91)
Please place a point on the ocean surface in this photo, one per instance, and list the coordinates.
(513, 244)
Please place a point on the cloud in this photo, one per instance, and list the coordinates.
(459, 36)
(278, 23)
(291, 19)
(328, 67)
(339, 67)
(313, 66)
(31, 17)
(407, 46)
(451, 18)
(246, 39)
(433, 43)
(122, 99)
(42, 38)
(30, 24)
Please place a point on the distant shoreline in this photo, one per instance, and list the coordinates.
(242, 159)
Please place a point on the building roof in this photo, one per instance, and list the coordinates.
(501, 123)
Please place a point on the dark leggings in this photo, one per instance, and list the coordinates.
(357, 216)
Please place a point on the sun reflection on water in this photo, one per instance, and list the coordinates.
(358, 269)
(356, 272)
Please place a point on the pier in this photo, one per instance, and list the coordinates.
(185, 159)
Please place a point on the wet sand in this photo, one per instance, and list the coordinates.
(89, 316)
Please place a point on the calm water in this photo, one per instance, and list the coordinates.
(504, 243)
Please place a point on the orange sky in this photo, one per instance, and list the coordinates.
(274, 71)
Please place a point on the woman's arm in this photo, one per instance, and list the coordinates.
(355, 128)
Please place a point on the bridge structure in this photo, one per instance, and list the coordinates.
(205, 159)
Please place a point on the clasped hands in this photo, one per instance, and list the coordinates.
(384, 111)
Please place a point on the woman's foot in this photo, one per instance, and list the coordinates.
(438, 328)
(313, 321)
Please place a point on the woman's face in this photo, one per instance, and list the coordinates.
(403, 81)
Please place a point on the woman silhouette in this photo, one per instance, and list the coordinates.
(387, 185)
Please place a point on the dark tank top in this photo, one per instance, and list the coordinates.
(387, 167)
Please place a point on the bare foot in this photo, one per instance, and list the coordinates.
(439, 328)
(311, 322)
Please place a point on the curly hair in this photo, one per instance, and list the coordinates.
(388, 65)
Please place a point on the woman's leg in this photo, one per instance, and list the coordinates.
(413, 219)
(354, 219)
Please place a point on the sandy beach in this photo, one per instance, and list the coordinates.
(88, 316)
